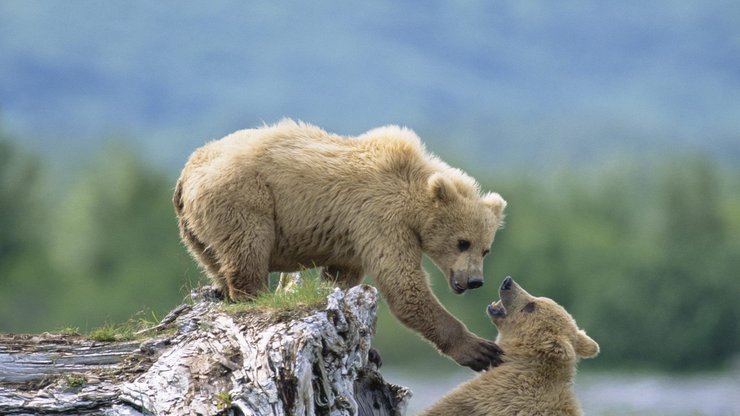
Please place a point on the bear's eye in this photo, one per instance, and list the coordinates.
(485, 252)
(463, 245)
(529, 308)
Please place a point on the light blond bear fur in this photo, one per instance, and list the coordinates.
(541, 344)
(291, 196)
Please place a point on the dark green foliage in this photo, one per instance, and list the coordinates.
(116, 242)
(646, 259)
(99, 251)
(23, 263)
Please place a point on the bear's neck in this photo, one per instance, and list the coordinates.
(549, 372)
(414, 204)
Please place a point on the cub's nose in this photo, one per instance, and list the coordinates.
(506, 284)
(475, 282)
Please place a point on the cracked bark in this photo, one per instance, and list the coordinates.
(256, 363)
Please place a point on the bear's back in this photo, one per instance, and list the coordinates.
(385, 150)
(303, 162)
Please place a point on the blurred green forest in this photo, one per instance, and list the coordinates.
(646, 258)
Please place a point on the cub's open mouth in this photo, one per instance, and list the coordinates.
(496, 310)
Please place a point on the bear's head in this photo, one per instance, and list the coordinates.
(460, 228)
(537, 328)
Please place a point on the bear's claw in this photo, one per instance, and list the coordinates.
(487, 355)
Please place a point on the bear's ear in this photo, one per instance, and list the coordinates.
(441, 188)
(585, 346)
(556, 348)
(494, 201)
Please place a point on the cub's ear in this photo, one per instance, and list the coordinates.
(494, 201)
(585, 346)
(441, 188)
(556, 348)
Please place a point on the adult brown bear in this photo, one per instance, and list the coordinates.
(290, 196)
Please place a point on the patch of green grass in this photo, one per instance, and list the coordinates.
(135, 327)
(110, 332)
(223, 400)
(75, 380)
(69, 330)
(311, 293)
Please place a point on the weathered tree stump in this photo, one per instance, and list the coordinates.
(310, 362)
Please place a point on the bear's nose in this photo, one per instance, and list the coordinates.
(506, 284)
(475, 282)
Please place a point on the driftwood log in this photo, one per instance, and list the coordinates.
(207, 361)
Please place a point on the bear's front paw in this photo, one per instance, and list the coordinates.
(477, 353)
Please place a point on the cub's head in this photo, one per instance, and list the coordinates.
(460, 228)
(537, 328)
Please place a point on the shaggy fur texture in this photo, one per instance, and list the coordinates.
(290, 196)
(542, 344)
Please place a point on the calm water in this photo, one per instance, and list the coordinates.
(613, 394)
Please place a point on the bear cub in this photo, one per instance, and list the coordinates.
(541, 344)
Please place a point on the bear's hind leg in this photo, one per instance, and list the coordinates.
(247, 234)
(203, 254)
(197, 248)
(245, 261)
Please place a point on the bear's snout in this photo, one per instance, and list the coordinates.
(475, 282)
(511, 293)
(462, 281)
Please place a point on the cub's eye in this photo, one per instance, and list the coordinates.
(485, 252)
(529, 308)
(463, 245)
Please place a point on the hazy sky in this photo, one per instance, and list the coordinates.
(496, 80)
